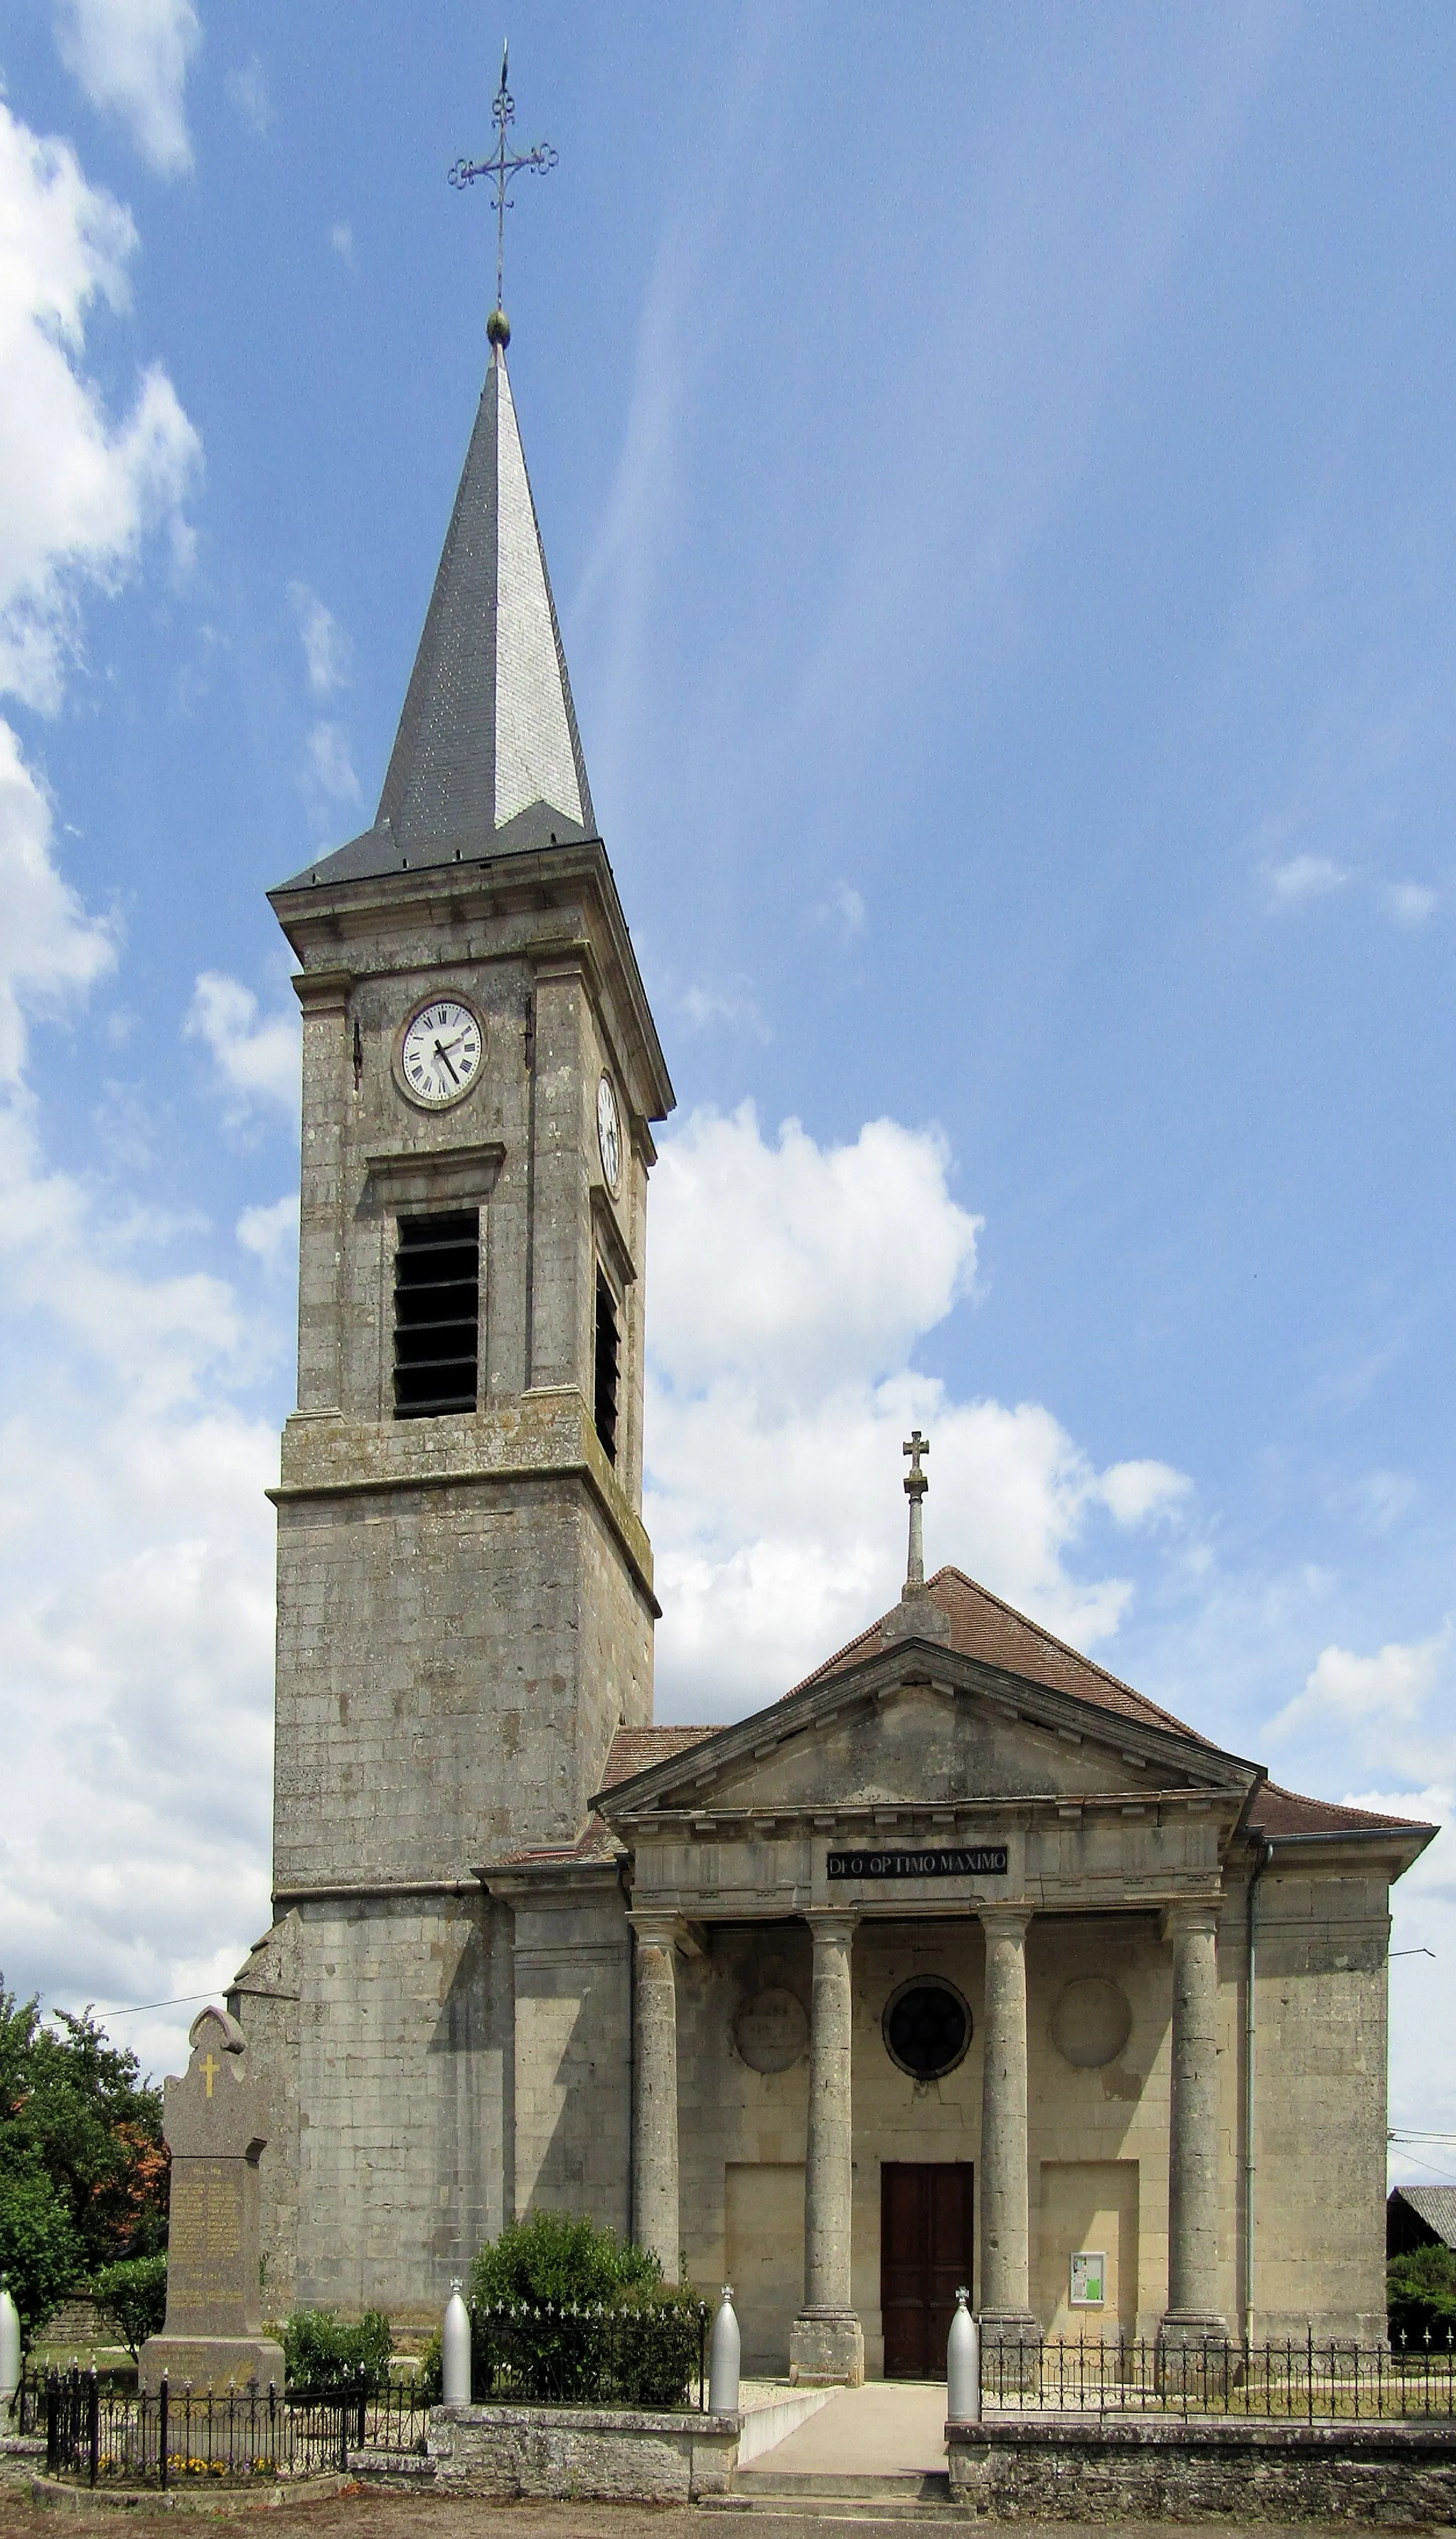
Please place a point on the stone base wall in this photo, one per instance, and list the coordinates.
(1146, 2471)
(579, 2452)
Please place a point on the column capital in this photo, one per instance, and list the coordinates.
(832, 1924)
(656, 1930)
(1004, 1921)
(1191, 1916)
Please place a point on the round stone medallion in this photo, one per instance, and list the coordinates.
(1092, 2022)
(926, 2028)
(772, 2029)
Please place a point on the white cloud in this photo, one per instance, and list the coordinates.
(341, 240)
(48, 944)
(131, 57)
(845, 908)
(77, 492)
(326, 648)
(794, 1265)
(1394, 1707)
(256, 1057)
(1142, 1492)
(704, 1006)
(1410, 903)
(790, 1284)
(1303, 878)
(247, 91)
(271, 1234)
(331, 778)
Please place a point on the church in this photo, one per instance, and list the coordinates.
(960, 1962)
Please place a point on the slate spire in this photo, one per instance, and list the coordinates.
(488, 728)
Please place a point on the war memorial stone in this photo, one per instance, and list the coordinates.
(215, 2122)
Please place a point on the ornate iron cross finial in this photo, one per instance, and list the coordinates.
(502, 165)
(916, 1482)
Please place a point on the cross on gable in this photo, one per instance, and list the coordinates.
(915, 1445)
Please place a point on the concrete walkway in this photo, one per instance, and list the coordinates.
(886, 2429)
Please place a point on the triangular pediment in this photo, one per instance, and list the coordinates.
(918, 1726)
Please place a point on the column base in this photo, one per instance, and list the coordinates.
(826, 2350)
(1190, 2327)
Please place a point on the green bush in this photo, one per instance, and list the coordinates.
(430, 2378)
(131, 2297)
(558, 2258)
(320, 2349)
(1420, 2296)
(593, 2320)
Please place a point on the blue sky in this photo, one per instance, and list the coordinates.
(997, 473)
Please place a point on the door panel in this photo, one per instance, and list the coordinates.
(926, 2221)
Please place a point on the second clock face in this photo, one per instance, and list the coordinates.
(609, 1134)
(440, 1052)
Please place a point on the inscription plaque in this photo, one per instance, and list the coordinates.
(980, 1860)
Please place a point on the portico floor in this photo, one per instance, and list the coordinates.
(886, 2429)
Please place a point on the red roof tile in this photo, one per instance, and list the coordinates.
(637, 1749)
(981, 1627)
(1276, 1812)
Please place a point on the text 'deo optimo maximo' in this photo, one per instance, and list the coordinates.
(979, 1860)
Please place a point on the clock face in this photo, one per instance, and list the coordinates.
(440, 1052)
(609, 1134)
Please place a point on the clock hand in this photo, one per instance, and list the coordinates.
(441, 1053)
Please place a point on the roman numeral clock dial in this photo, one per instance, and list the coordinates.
(440, 1053)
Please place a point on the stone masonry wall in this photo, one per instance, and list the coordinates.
(1396, 2475)
(404, 2075)
(1320, 2092)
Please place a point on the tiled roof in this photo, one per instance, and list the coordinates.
(1276, 1812)
(1436, 2206)
(637, 1749)
(981, 1627)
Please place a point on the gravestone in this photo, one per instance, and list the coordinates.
(215, 2123)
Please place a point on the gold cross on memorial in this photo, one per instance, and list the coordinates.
(501, 166)
(210, 2070)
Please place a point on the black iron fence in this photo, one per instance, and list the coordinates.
(97, 2433)
(1300, 2381)
(560, 2354)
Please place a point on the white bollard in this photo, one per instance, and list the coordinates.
(455, 2341)
(725, 2358)
(10, 2347)
(964, 2365)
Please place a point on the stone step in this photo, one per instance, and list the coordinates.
(927, 2486)
(397, 2468)
(779, 2517)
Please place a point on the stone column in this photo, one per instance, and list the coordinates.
(1193, 2132)
(654, 2219)
(827, 2342)
(1005, 2286)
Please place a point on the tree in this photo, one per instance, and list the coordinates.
(83, 2168)
(39, 2252)
(131, 2297)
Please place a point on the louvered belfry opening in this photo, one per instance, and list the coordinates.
(436, 1314)
(608, 1355)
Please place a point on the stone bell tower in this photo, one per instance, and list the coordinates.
(465, 1598)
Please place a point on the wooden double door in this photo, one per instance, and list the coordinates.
(926, 2224)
